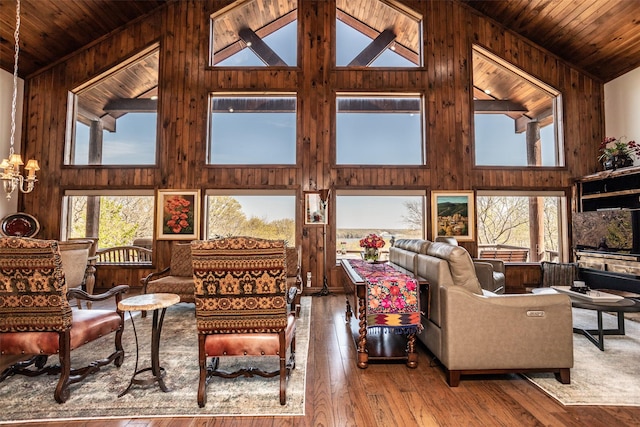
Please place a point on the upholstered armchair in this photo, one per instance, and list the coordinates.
(242, 307)
(558, 273)
(36, 319)
(177, 278)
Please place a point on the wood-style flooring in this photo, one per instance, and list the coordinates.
(385, 395)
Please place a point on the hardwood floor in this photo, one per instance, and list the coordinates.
(340, 394)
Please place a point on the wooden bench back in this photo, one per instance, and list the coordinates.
(506, 255)
(124, 255)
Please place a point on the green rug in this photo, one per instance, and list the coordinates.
(610, 377)
(25, 399)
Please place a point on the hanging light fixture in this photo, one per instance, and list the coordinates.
(10, 176)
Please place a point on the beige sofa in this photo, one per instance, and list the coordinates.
(475, 331)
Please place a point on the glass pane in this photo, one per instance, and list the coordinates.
(115, 116)
(255, 130)
(265, 216)
(508, 222)
(120, 219)
(379, 131)
(234, 33)
(497, 143)
(357, 216)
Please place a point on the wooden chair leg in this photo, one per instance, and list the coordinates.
(202, 383)
(453, 378)
(61, 393)
(564, 376)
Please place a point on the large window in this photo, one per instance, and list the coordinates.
(248, 129)
(389, 214)
(117, 218)
(517, 117)
(255, 33)
(377, 33)
(379, 130)
(266, 214)
(517, 221)
(114, 116)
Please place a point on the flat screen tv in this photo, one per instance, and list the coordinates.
(610, 230)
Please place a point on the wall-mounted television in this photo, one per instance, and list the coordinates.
(608, 230)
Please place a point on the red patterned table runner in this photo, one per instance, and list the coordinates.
(392, 297)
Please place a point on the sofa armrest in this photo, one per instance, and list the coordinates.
(505, 331)
(484, 271)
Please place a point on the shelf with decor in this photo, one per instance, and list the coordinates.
(606, 229)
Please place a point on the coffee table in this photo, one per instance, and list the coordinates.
(596, 336)
(145, 302)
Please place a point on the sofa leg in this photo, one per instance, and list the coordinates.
(564, 375)
(453, 378)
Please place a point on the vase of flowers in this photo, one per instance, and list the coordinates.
(616, 153)
(371, 244)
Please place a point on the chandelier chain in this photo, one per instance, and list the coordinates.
(16, 37)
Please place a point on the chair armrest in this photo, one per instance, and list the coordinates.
(484, 272)
(116, 291)
(498, 264)
(156, 274)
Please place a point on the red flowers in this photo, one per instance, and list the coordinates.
(610, 147)
(177, 212)
(372, 241)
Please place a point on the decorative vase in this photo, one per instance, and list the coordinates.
(370, 254)
(617, 162)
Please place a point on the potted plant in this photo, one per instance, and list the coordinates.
(616, 152)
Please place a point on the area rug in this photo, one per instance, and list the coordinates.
(609, 377)
(24, 399)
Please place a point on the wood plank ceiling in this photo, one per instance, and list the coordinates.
(601, 37)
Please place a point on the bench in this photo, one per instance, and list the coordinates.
(124, 255)
(506, 255)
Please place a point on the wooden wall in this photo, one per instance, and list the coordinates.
(185, 80)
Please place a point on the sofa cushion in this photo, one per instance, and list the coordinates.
(181, 260)
(461, 265)
(418, 246)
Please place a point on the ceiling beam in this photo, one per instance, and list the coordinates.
(260, 48)
(374, 49)
(496, 106)
(132, 105)
(84, 116)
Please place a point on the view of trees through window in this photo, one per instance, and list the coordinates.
(265, 216)
(389, 216)
(120, 219)
(507, 222)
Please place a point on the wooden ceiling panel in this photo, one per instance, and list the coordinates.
(600, 37)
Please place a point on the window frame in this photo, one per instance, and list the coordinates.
(243, 94)
(381, 95)
(564, 197)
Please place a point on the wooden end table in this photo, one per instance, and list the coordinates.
(156, 302)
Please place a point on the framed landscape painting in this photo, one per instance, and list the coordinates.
(178, 214)
(453, 214)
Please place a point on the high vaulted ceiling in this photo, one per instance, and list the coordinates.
(600, 37)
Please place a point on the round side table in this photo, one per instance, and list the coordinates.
(155, 302)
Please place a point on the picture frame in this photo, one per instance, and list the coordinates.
(453, 214)
(315, 210)
(178, 214)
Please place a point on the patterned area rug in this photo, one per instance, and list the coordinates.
(32, 398)
(609, 377)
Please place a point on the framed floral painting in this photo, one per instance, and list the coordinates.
(453, 214)
(178, 214)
